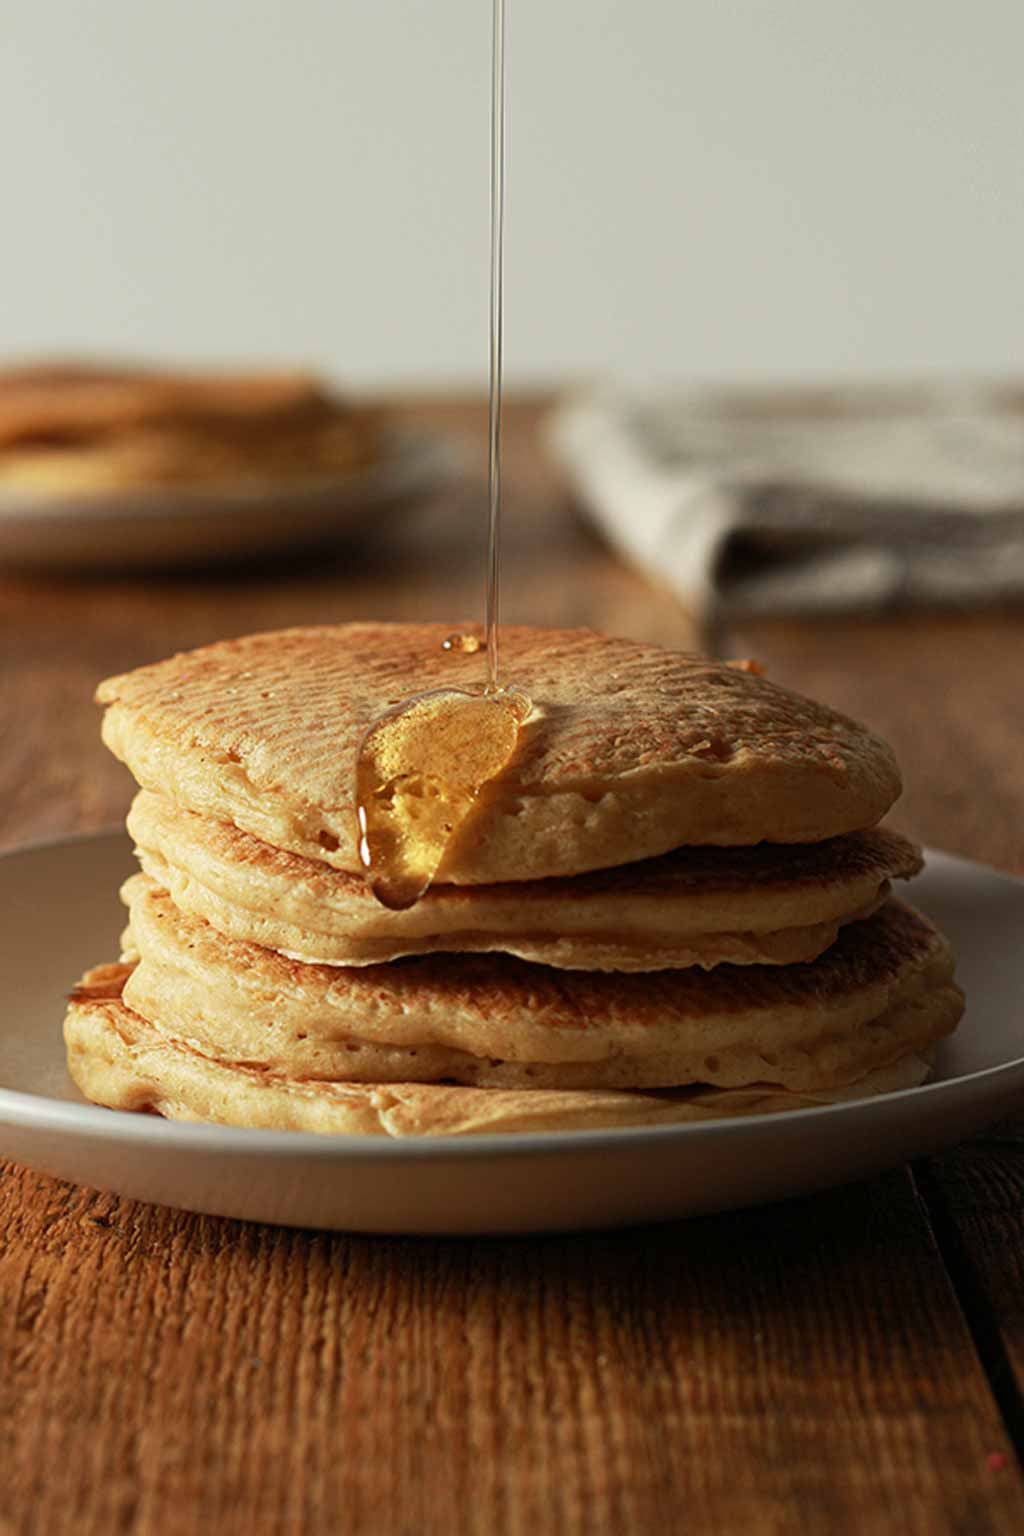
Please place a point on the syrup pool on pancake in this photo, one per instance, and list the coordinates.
(419, 771)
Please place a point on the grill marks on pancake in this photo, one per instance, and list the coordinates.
(645, 707)
(632, 749)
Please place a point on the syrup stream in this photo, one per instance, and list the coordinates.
(497, 338)
(422, 764)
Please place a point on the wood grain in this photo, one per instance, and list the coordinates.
(774, 1371)
(839, 1364)
(975, 1195)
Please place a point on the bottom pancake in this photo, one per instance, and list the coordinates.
(118, 1059)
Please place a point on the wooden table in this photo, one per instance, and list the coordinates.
(851, 1362)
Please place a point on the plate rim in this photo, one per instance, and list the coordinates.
(40, 1111)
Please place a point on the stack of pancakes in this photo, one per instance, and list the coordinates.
(674, 903)
(87, 428)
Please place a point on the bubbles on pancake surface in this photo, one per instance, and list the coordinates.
(419, 770)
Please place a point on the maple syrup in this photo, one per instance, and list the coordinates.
(497, 337)
(420, 770)
(467, 644)
(422, 764)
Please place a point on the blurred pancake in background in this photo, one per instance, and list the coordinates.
(123, 465)
(82, 428)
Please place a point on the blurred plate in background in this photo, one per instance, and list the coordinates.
(166, 527)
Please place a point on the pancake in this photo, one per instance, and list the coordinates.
(883, 990)
(118, 1059)
(630, 750)
(83, 428)
(189, 457)
(762, 905)
(67, 402)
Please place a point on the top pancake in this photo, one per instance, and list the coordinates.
(631, 750)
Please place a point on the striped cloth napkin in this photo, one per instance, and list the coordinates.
(844, 501)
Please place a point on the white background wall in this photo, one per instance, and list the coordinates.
(697, 187)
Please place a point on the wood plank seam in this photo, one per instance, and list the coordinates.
(978, 1315)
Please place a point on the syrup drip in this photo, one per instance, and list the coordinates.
(420, 770)
(468, 644)
(422, 764)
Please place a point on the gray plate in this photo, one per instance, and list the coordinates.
(61, 915)
(177, 527)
